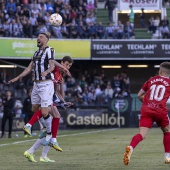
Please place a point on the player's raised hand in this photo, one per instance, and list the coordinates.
(13, 80)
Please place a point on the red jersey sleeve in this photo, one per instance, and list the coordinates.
(57, 75)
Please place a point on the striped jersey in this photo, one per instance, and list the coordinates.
(41, 62)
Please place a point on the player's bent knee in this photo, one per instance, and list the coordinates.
(35, 108)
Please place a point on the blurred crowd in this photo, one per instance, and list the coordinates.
(27, 18)
(91, 89)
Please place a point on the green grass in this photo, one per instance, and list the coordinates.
(99, 150)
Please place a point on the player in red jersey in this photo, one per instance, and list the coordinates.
(154, 95)
(59, 100)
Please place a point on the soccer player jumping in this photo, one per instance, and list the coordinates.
(154, 95)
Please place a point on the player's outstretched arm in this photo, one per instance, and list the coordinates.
(63, 68)
(23, 74)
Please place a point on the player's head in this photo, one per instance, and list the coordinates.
(164, 69)
(67, 62)
(42, 39)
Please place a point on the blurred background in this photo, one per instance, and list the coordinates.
(116, 46)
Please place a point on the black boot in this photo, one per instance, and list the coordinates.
(9, 136)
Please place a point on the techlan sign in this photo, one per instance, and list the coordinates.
(138, 4)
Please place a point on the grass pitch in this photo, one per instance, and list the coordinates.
(91, 149)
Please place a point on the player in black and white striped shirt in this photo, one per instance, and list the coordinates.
(43, 89)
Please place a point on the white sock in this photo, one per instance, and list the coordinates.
(131, 149)
(48, 137)
(41, 120)
(53, 140)
(45, 151)
(36, 145)
(166, 154)
(28, 125)
(48, 124)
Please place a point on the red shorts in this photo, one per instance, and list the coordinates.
(147, 120)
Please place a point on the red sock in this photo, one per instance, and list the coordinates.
(36, 116)
(135, 140)
(55, 126)
(166, 141)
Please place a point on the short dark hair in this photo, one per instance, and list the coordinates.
(46, 34)
(165, 65)
(67, 58)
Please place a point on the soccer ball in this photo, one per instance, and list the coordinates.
(55, 20)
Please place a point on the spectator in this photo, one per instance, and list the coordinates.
(14, 29)
(40, 19)
(73, 31)
(11, 4)
(91, 96)
(164, 22)
(41, 28)
(90, 19)
(73, 14)
(98, 90)
(100, 30)
(90, 8)
(1, 107)
(20, 88)
(82, 30)
(91, 30)
(33, 21)
(19, 12)
(81, 12)
(119, 29)
(1, 29)
(34, 10)
(116, 82)
(80, 19)
(110, 31)
(128, 31)
(11, 13)
(57, 32)
(85, 94)
(156, 23)
(6, 29)
(151, 26)
(18, 108)
(125, 81)
(26, 11)
(4, 11)
(28, 32)
(110, 4)
(8, 104)
(165, 32)
(20, 27)
(50, 7)
(64, 30)
(131, 16)
(42, 5)
(108, 92)
(142, 18)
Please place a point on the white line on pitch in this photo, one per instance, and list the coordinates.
(59, 136)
